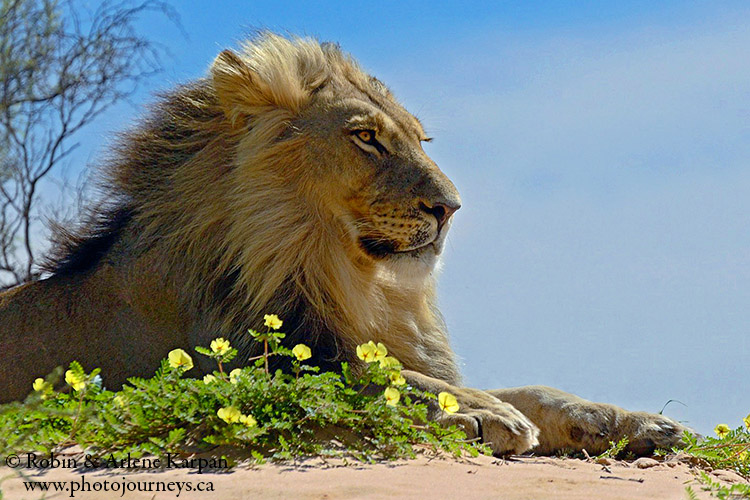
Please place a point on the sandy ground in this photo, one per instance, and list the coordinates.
(481, 478)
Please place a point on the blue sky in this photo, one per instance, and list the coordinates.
(602, 150)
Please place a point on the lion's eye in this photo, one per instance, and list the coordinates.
(365, 139)
(366, 136)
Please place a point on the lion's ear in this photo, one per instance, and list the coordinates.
(241, 91)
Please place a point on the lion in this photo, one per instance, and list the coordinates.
(287, 181)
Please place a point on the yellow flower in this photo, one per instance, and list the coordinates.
(380, 351)
(389, 362)
(75, 381)
(366, 353)
(370, 351)
(447, 402)
(746, 420)
(396, 378)
(722, 430)
(272, 321)
(41, 386)
(302, 352)
(207, 379)
(119, 400)
(391, 396)
(234, 375)
(180, 359)
(248, 420)
(220, 345)
(229, 414)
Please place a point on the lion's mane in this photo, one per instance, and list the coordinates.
(239, 243)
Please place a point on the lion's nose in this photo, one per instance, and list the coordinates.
(441, 211)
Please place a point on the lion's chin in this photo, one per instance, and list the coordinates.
(411, 268)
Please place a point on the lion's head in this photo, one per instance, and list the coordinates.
(357, 153)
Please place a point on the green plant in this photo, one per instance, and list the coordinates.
(720, 490)
(615, 449)
(729, 450)
(370, 415)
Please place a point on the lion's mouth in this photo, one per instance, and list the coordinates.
(380, 248)
(377, 247)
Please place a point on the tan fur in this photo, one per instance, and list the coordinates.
(252, 192)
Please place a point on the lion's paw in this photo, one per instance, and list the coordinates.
(593, 426)
(647, 432)
(570, 423)
(503, 428)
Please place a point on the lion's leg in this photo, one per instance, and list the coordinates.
(567, 422)
(499, 424)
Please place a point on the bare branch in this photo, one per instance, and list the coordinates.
(61, 66)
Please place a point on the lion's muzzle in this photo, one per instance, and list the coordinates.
(442, 211)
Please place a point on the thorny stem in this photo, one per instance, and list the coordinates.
(363, 388)
(78, 416)
(261, 356)
(716, 446)
(265, 354)
(740, 451)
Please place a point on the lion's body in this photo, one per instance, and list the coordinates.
(289, 182)
(93, 318)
